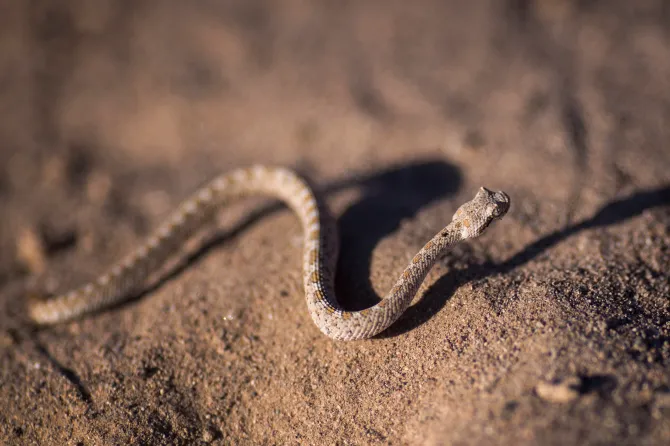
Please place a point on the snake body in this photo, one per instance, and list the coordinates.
(319, 258)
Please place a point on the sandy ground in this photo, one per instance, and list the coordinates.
(553, 328)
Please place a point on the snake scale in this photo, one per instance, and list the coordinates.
(319, 258)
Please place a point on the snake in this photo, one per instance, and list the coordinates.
(320, 252)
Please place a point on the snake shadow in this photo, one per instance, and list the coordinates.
(387, 197)
(437, 295)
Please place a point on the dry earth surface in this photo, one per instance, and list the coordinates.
(552, 328)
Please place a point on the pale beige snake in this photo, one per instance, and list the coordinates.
(320, 253)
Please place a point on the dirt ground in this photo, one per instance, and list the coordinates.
(552, 328)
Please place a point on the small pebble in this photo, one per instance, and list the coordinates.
(562, 391)
(207, 436)
(30, 251)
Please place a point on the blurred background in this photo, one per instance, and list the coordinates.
(111, 112)
(101, 98)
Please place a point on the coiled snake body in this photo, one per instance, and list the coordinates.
(320, 253)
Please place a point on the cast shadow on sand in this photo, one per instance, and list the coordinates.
(397, 193)
(439, 293)
(387, 198)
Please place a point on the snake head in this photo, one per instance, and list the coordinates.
(476, 215)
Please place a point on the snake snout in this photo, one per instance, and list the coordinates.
(501, 197)
(502, 202)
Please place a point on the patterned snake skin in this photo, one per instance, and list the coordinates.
(320, 253)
